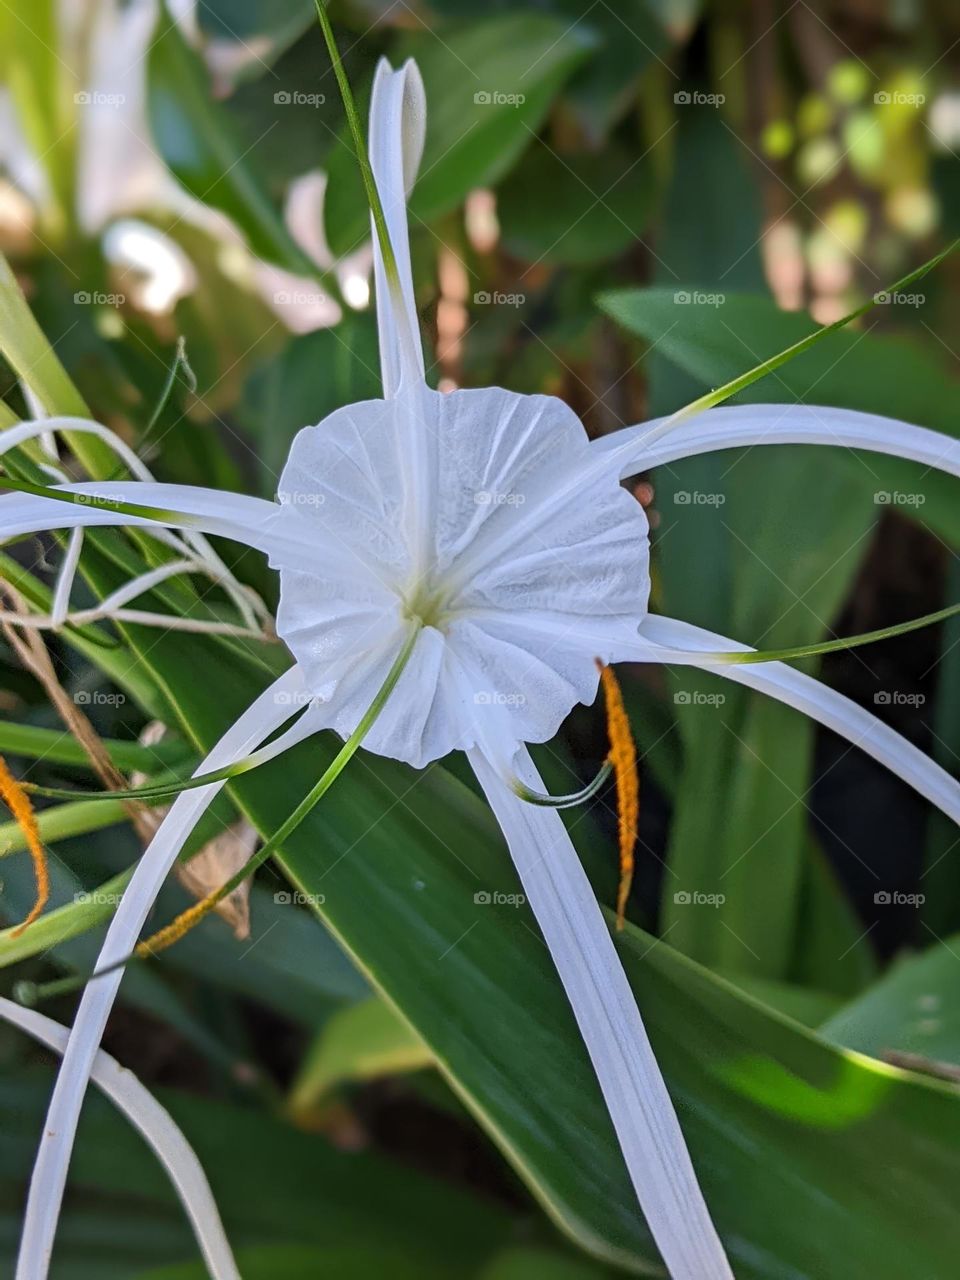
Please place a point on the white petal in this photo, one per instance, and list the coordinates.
(634, 449)
(270, 710)
(527, 561)
(13, 437)
(643, 1116)
(398, 122)
(669, 641)
(158, 1127)
(252, 521)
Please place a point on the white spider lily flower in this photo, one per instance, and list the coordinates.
(488, 522)
(156, 1125)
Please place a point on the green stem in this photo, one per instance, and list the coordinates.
(157, 792)
(353, 120)
(738, 657)
(55, 746)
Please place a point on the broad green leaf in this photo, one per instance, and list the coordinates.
(197, 141)
(74, 818)
(731, 557)
(274, 1187)
(912, 1009)
(490, 83)
(309, 378)
(574, 208)
(289, 962)
(357, 1261)
(43, 86)
(713, 341)
(833, 953)
(32, 358)
(631, 40)
(804, 1004)
(363, 1042)
(54, 746)
(247, 36)
(542, 1264)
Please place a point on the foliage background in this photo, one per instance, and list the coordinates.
(621, 204)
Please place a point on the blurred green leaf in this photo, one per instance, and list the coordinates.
(274, 1187)
(875, 374)
(489, 83)
(312, 375)
(42, 86)
(574, 208)
(363, 1042)
(912, 1009)
(357, 1261)
(197, 141)
(245, 37)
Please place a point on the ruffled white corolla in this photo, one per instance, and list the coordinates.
(482, 535)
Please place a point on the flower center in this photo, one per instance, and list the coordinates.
(429, 601)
